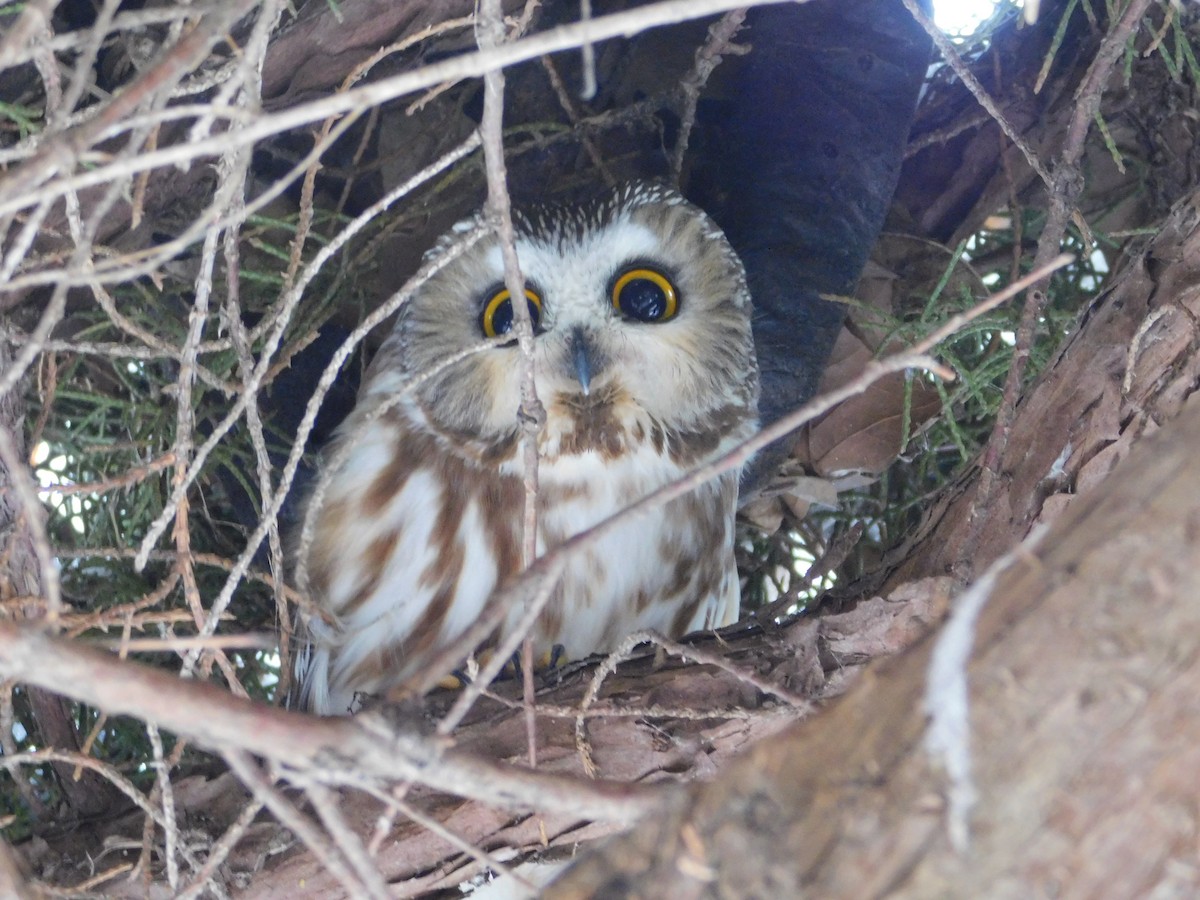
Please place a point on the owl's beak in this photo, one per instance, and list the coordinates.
(581, 358)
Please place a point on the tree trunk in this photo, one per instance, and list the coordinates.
(1084, 668)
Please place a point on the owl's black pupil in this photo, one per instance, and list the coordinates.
(642, 299)
(502, 318)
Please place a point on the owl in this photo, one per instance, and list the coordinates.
(644, 362)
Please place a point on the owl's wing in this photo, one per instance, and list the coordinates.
(302, 674)
(314, 690)
(404, 557)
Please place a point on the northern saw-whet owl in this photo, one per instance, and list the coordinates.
(645, 364)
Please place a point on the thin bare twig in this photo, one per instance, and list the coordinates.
(467, 65)
(219, 851)
(262, 458)
(568, 106)
(34, 19)
(395, 801)
(167, 797)
(119, 781)
(538, 590)
(325, 803)
(708, 57)
(175, 644)
(60, 154)
(317, 496)
(305, 829)
(489, 30)
(624, 651)
(963, 71)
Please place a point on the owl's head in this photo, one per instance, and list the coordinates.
(642, 321)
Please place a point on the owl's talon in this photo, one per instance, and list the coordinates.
(512, 669)
(548, 661)
(455, 681)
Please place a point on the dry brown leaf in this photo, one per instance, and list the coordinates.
(788, 493)
(864, 434)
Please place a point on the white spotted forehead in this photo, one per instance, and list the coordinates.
(598, 253)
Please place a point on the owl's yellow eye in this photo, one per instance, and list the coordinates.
(497, 317)
(646, 295)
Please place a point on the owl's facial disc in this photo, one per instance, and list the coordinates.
(585, 330)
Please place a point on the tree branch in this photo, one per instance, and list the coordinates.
(367, 744)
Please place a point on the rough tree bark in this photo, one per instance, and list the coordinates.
(1084, 727)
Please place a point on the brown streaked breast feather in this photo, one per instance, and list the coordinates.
(688, 447)
(501, 505)
(448, 551)
(685, 613)
(373, 560)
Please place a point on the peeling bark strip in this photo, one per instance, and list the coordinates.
(1084, 727)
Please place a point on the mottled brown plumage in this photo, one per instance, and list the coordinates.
(645, 364)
